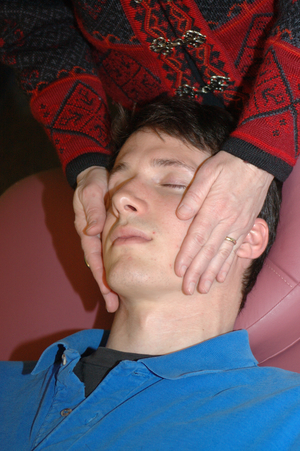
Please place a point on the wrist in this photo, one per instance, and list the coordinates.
(266, 176)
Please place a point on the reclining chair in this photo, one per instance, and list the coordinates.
(47, 291)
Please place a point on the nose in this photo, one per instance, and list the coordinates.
(130, 198)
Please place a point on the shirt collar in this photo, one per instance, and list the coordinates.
(224, 352)
(78, 343)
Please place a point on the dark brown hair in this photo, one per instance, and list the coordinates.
(205, 127)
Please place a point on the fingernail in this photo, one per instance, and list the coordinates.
(184, 210)
(91, 224)
(182, 270)
(191, 288)
(221, 278)
(206, 287)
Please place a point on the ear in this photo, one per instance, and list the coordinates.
(256, 241)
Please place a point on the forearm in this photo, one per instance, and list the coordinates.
(267, 132)
(41, 41)
(75, 116)
(55, 68)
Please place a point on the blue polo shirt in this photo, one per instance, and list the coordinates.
(210, 396)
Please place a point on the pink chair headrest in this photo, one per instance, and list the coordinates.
(272, 312)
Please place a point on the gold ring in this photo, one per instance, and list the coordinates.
(86, 262)
(232, 240)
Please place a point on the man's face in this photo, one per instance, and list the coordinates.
(142, 234)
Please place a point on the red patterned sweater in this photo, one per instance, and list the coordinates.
(68, 53)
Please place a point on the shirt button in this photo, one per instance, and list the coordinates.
(65, 412)
(64, 359)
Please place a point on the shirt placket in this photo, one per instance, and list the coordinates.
(123, 382)
(68, 393)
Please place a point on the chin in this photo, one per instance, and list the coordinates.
(140, 286)
(127, 275)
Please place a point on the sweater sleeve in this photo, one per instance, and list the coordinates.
(54, 64)
(267, 132)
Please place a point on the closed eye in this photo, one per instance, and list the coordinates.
(172, 185)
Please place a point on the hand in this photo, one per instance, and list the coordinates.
(225, 198)
(90, 216)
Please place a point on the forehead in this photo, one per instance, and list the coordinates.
(145, 145)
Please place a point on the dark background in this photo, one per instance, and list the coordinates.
(24, 146)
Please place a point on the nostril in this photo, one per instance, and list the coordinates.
(130, 207)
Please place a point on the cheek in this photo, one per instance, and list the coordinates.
(109, 222)
(175, 231)
(182, 230)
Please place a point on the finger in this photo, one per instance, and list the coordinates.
(206, 256)
(198, 234)
(93, 257)
(92, 203)
(201, 263)
(82, 226)
(197, 192)
(225, 254)
(221, 276)
(92, 254)
(94, 228)
(111, 301)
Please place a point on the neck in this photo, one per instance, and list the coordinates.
(170, 323)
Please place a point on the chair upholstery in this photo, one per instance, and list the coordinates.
(272, 312)
(48, 293)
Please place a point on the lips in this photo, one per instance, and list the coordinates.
(126, 235)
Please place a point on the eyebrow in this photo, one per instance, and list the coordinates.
(157, 162)
(119, 168)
